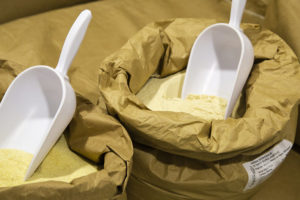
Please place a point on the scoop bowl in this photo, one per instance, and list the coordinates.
(220, 60)
(35, 110)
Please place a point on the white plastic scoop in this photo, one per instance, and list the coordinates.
(40, 102)
(220, 60)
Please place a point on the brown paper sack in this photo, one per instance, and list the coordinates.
(180, 156)
(93, 134)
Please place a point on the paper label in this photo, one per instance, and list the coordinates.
(262, 167)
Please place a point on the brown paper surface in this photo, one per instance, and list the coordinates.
(284, 184)
(14, 9)
(282, 17)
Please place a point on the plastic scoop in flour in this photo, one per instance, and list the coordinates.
(40, 102)
(220, 60)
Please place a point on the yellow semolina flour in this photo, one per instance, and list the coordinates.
(13, 166)
(163, 94)
(61, 164)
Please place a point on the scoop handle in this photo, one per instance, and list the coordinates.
(73, 41)
(236, 14)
